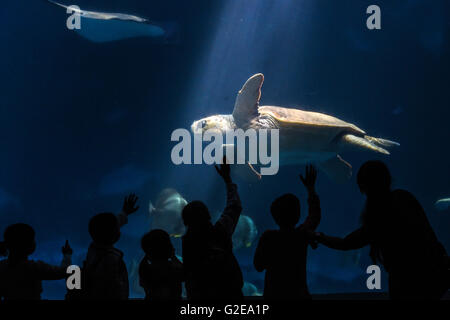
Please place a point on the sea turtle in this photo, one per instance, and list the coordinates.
(304, 136)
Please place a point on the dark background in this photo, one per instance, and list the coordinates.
(83, 123)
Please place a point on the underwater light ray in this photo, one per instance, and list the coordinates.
(249, 38)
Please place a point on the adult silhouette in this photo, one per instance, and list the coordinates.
(397, 230)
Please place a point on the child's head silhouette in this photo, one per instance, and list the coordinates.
(104, 228)
(374, 178)
(286, 210)
(157, 245)
(195, 214)
(19, 240)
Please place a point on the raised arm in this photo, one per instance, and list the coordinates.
(314, 213)
(355, 240)
(129, 207)
(233, 209)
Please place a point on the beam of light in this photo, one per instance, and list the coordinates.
(251, 36)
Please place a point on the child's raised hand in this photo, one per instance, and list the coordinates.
(309, 180)
(66, 249)
(129, 204)
(224, 170)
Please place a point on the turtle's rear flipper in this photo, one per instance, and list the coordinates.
(337, 169)
(245, 173)
(363, 143)
(382, 142)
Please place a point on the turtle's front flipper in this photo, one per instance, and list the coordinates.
(241, 168)
(247, 100)
(246, 173)
(254, 170)
(337, 169)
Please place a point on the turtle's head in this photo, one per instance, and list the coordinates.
(215, 124)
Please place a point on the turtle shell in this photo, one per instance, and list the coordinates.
(288, 118)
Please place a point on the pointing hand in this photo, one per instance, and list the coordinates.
(66, 249)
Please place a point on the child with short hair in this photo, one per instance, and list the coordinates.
(160, 271)
(282, 253)
(106, 275)
(21, 278)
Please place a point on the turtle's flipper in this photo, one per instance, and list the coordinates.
(337, 169)
(241, 168)
(365, 143)
(245, 173)
(382, 142)
(247, 100)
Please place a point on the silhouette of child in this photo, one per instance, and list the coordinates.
(396, 227)
(21, 278)
(105, 272)
(160, 271)
(282, 253)
(212, 271)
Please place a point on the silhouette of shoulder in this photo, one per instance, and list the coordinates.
(166, 268)
(407, 206)
(112, 257)
(104, 258)
(35, 269)
(400, 194)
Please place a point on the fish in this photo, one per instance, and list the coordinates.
(102, 27)
(245, 233)
(166, 213)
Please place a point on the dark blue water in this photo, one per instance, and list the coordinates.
(83, 123)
